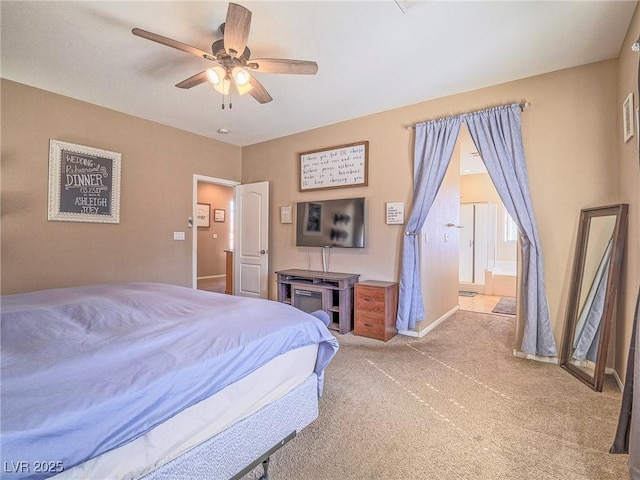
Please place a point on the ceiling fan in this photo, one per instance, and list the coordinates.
(232, 58)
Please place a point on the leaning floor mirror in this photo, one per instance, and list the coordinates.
(592, 296)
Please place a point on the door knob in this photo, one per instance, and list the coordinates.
(262, 252)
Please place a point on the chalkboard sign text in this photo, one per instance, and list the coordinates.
(84, 183)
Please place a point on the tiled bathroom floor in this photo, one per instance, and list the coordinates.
(478, 303)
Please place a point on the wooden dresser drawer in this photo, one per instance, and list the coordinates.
(368, 325)
(370, 295)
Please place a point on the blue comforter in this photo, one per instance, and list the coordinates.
(88, 369)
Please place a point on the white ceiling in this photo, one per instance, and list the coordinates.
(372, 55)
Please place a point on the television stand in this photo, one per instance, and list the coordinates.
(311, 290)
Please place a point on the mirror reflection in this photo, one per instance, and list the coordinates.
(591, 303)
(592, 298)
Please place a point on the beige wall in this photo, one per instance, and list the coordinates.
(388, 181)
(211, 251)
(440, 249)
(158, 164)
(570, 138)
(626, 160)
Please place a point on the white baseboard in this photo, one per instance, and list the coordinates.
(537, 358)
(211, 276)
(612, 371)
(556, 360)
(431, 326)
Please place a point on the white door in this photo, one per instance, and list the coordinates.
(251, 248)
(466, 243)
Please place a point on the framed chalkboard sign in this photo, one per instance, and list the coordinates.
(341, 166)
(84, 183)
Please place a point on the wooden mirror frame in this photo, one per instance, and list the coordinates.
(618, 236)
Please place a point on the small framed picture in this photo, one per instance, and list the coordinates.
(395, 213)
(202, 215)
(628, 117)
(285, 214)
(638, 127)
(218, 215)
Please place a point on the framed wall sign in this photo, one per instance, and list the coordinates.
(84, 184)
(286, 214)
(218, 215)
(341, 166)
(627, 117)
(638, 128)
(395, 213)
(202, 215)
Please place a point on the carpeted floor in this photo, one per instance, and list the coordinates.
(455, 404)
(215, 284)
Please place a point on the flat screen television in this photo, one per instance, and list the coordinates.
(331, 223)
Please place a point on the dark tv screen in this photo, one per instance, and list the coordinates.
(331, 223)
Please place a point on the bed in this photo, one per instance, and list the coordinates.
(153, 381)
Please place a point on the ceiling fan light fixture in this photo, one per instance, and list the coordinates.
(242, 89)
(220, 80)
(241, 76)
(224, 86)
(215, 75)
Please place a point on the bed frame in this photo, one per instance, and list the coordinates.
(250, 335)
(237, 450)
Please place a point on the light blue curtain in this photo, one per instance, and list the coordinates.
(497, 135)
(589, 324)
(434, 144)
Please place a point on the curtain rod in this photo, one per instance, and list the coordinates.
(523, 105)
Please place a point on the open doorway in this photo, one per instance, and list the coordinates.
(213, 235)
(488, 239)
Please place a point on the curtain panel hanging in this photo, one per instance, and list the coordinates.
(434, 144)
(496, 133)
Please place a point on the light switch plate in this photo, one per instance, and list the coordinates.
(178, 235)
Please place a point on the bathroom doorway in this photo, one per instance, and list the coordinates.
(488, 239)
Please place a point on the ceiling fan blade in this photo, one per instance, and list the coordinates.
(236, 29)
(258, 91)
(196, 79)
(154, 37)
(281, 65)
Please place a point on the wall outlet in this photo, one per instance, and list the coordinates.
(178, 235)
(215, 235)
